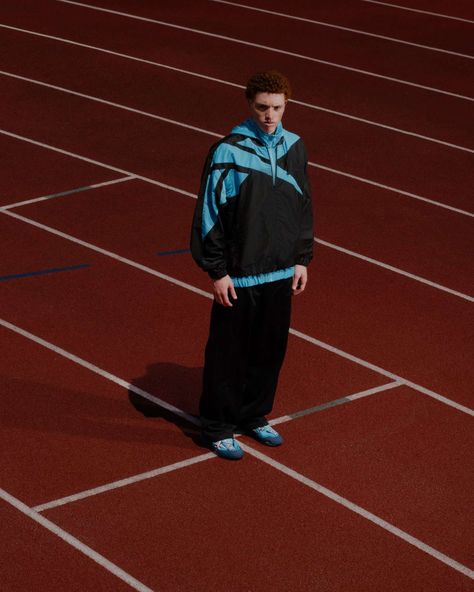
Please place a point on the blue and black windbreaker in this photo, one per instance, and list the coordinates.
(253, 217)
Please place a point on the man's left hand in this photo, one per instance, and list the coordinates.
(300, 279)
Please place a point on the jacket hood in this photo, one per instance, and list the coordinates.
(250, 129)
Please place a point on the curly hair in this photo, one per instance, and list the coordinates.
(270, 81)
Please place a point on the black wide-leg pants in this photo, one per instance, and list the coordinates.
(244, 353)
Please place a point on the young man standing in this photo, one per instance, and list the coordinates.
(253, 234)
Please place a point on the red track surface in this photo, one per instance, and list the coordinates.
(399, 454)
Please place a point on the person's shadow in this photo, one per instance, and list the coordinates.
(177, 385)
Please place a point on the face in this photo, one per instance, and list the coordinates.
(267, 110)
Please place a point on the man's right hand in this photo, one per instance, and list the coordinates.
(222, 288)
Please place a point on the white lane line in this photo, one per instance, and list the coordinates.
(171, 188)
(334, 403)
(339, 499)
(373, 391)
(32, 513)
(267, 48)
(124, 482)
(96, 162)
(394, 190)
(103, 373)
(383, 372)
(313, 164)
(74, 542)
(446, 16)
(120, 105)
(217, 135)
(63, 193)
(232, 84)
(407, 274)
(342, 28)
(192, 288)
(316, 165)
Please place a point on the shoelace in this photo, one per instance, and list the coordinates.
(228, 444)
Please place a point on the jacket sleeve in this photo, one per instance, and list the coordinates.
(306, 238)
(207, 233)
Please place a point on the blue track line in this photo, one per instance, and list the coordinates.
(42, 272)
(175, 252)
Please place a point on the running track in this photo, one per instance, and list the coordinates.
(108, 110)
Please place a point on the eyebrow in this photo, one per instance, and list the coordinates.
(266, 106)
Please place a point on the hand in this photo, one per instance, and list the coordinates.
(222, 288)
(300, 278)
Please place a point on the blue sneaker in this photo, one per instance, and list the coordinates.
(267, 435)
(228, 448)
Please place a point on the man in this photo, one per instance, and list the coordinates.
(253, 234)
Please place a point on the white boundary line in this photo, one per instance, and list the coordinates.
(334, 403)
(192, 288)
(96, 162)
(316, 165)
(217, 135)
(267, 48)
(74, 542)
(384, 372)
(6, 210)
(395, 190)
(325, 243)
(63, 193)
(446, 16)
(407, 274)
(342, 28)
(408, 538)
(33, 513)
(124, 482)
(218, 81)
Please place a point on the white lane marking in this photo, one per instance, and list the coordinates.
(121, 106)
(334, 403)
(103, 373)
(316, 165)
(394, 190)
(233, 84)
(96, 162)
(217, 135)
(329, 245)
(409, 8)
(313, 164)
(124, 482)
(109, 254)
(267, 48)
(407, 274)
(373, 391)
(290, 472)
(348, 29)
(63, 193)
(339, 499)
(384, 372)
(74, 542)
(210, 296)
